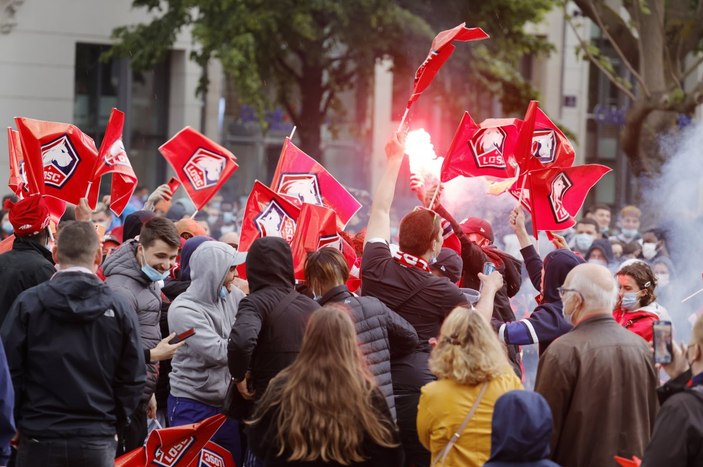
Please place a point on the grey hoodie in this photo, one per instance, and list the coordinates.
(200, 367)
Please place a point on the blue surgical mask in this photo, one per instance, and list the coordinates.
(630, 301)
(629, 233)
(7, 227)
(151, 273)
(227, 217)
(223, 292)
(583, 241)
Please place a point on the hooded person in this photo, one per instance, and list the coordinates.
(547, 321)
(601, 252)
(29, 263)
(521, 431)
(199, 377)
(268, 332)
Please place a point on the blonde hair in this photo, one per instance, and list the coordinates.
(698, 331)
(468, 350)
(324, 399)
(325, 267)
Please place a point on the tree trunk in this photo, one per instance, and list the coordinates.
(311, 90)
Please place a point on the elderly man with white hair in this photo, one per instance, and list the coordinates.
(599, 379)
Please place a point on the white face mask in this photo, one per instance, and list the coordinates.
(598, 261)
(663, 279)
(649, 250)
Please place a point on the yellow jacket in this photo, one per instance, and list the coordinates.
(443, 406)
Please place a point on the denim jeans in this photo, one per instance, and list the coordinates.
(66, 452)
(184, 411)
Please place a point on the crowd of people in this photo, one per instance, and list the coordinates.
(108, 323)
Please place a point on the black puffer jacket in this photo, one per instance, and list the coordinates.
(124, 275)
(261, 340)
(380, 332)
(26, 265)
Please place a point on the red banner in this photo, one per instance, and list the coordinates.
(59, 158)
(201, 165)
(185, 446)
(18, 177)
(267, 214)
(442, 48)
(557, 194)
(302, 178)
(549, 146)
(112, 159)
(317, 227)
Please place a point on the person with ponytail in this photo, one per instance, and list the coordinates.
(325, 408)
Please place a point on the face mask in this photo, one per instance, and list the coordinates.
(151, 273)
(603, 229)
(227, 217)
(7, 227)
(663, 279)
(223, 292)
(629, 232)
(583, 241)
(649, 250)
(211, 219)
(598, 261)
(630, 301)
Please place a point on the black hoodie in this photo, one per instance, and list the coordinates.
(261, 340)
(75, 356)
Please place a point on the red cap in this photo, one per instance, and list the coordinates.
(29, 216)
(477, 226)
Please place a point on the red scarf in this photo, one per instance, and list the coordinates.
(410, 261)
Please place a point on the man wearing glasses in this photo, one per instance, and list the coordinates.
(599, 379)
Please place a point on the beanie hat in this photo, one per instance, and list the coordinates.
(28, 216)
(477, 226)
(449, 263)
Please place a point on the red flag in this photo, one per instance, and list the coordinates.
(113, 159)
(202, 165)
(487, 149)
(303, 178)
(557, 194)
(58, 157)
(442, 48)
(56, 208)
(6, 244)
(549, 146)
(267, 214)
(18, 179)
(175, 446)
(317, 227)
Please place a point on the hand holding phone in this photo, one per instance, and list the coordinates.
(182, 336)
(663, 347)
(173, 184)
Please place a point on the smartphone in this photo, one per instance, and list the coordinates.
(173, 184)
(182, 336)
(663, 347)
(488, 268)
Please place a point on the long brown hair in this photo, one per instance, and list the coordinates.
(324, 398)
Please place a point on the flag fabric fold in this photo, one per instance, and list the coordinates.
(305, 180)
(58, 158)
(18, 179)
(442, 48)
(112, 159)
(201, 165)
(317, 227)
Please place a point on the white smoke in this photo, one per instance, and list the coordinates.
(674, 202)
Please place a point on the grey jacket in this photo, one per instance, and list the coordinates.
(124, 275)
(200, 367)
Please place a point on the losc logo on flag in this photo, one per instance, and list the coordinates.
(544, 145)
(204, 168)
(210, 459)
(332, 241)
(116, 155)
(560, 185)
(170, 458)
(59, 160)
(488, 145)
(305, 187)
(274, 222)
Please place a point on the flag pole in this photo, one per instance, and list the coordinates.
(292, 132)
(434, 197)
(194, 213)
(402, 120)
(691, 296)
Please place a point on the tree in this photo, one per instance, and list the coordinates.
(301, 54)
(654, 49)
